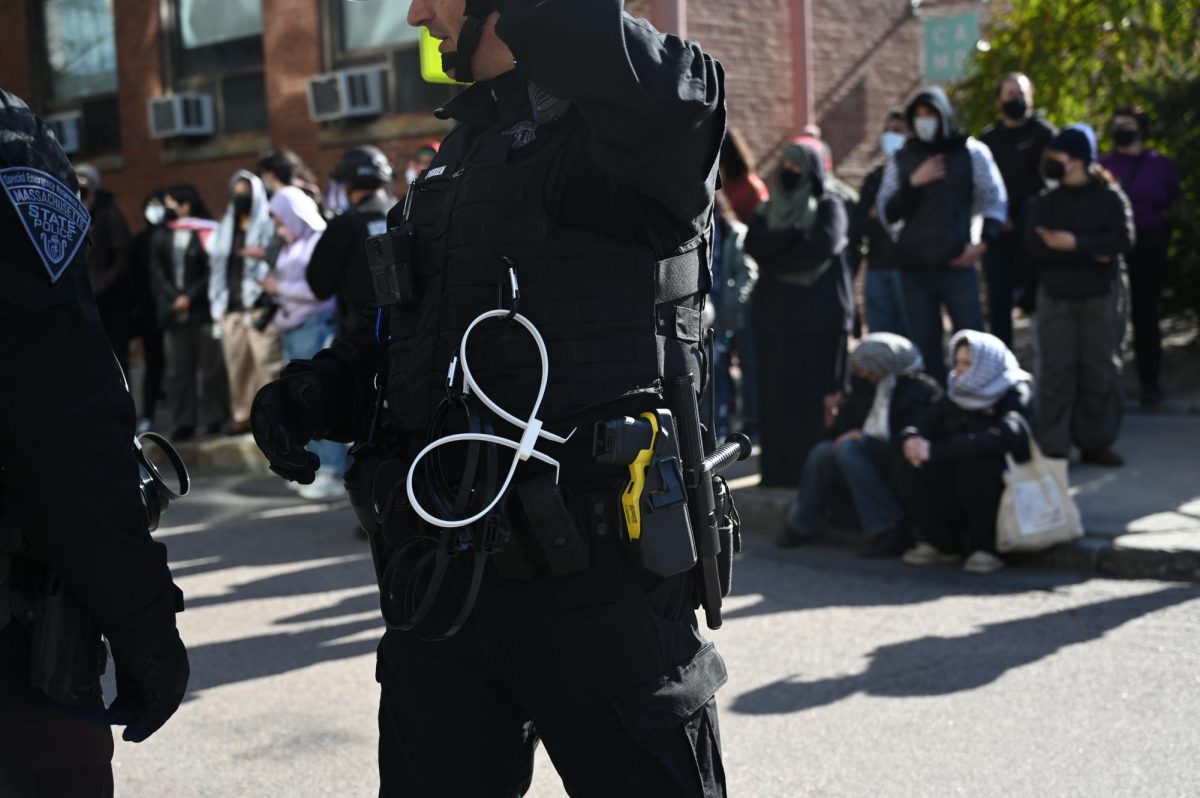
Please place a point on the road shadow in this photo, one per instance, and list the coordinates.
(930, 666)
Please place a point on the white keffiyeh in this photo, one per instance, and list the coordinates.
(890, 357)
(993, 373)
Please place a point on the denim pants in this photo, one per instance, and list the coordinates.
(885, 302)
(856, 463)
(302, 343)
(925, 294)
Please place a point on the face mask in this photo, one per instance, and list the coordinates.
(85, 195)
(1124, 136)
(169, 214)
(926, 128)
(1054, 169)
(1015, 108)
(410, 175)
(891, 142)
(155, 214)
(790, 179)
(241, 204)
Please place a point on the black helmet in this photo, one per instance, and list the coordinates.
(364, 163)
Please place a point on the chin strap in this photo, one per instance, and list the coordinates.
(477, 12)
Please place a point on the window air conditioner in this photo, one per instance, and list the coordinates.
(346, 93)
(67, 128)
(188, 114)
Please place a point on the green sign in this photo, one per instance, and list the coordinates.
(949, 41)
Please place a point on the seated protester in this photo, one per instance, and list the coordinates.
(888, 393)
(1075, 235)
(953, 476)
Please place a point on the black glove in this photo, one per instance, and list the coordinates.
(285, 416)
(151, 682)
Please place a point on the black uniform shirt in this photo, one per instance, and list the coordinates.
(70, 497)
(338, 266)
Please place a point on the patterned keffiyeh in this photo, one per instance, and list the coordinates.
(993, 373)
(890, 357)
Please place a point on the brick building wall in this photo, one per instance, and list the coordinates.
(865, 55)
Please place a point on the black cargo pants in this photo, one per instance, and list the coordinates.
(605, 667)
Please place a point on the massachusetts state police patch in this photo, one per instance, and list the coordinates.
(55, 219)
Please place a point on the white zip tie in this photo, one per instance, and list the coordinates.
(532, 430)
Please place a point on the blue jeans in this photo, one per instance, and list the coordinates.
(874, 501)
(885, 302)
(302, 343)
(925, 294)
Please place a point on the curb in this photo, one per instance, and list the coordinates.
(762, 511)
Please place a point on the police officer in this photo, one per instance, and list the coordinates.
(76, 559)
(339, 263)
(584, 162)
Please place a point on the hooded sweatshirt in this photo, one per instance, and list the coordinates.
(221, 249)
(932, 225)
(297, 211)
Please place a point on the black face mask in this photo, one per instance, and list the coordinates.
(85, 196)
(1054, 169)
(790, 179)
(1015, 108)
(169, 214)
(241, 204)
(1124, 136)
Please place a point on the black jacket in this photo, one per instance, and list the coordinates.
(69, 494)
(867, 233)
(108, 262)
(956, 434)
(787, 259)
(651, 110)
(911, 399)
(194, 283)
(338, 266)
(1018, 154)
(1099, 215)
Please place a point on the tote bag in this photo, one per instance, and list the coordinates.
(1036, 510)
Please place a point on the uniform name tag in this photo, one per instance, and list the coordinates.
(435, 172)
(53, 217)
(376, 227)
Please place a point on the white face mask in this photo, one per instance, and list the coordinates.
(155, 214)
(926, 128)
(410, 174)
(891, 142)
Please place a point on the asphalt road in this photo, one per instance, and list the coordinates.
(847, 678)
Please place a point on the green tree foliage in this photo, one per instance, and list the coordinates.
(1088, 57)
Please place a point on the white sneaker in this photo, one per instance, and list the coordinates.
(324, 488)
(983, 562)
(925, 554)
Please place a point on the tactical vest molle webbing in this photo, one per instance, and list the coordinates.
(614, 318)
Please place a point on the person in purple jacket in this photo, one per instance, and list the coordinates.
(1151, 181)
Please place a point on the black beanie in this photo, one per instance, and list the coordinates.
(1074, 143)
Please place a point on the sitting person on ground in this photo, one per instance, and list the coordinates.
(888, 393)
(953, 475)
(1076, 235)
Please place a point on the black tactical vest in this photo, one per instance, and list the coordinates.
(615, 319)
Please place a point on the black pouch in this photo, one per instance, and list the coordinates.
(565, 548)
(66, 654)
(729, 532)
(360, 485)
(390, 261)
(389, 499)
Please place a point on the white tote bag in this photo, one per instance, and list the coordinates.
(1036, 510)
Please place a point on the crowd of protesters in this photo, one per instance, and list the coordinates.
(221, 305)
(865, 411)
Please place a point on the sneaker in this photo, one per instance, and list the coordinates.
(324, 488)
(925, 554)
(983, 562)
(1102, 457)
(889, 543)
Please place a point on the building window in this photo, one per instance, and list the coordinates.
(216, 47)
(81, 49)
(76, 72)
(362, 34)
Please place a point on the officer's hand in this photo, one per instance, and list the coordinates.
(151, 682)
(285, 416)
